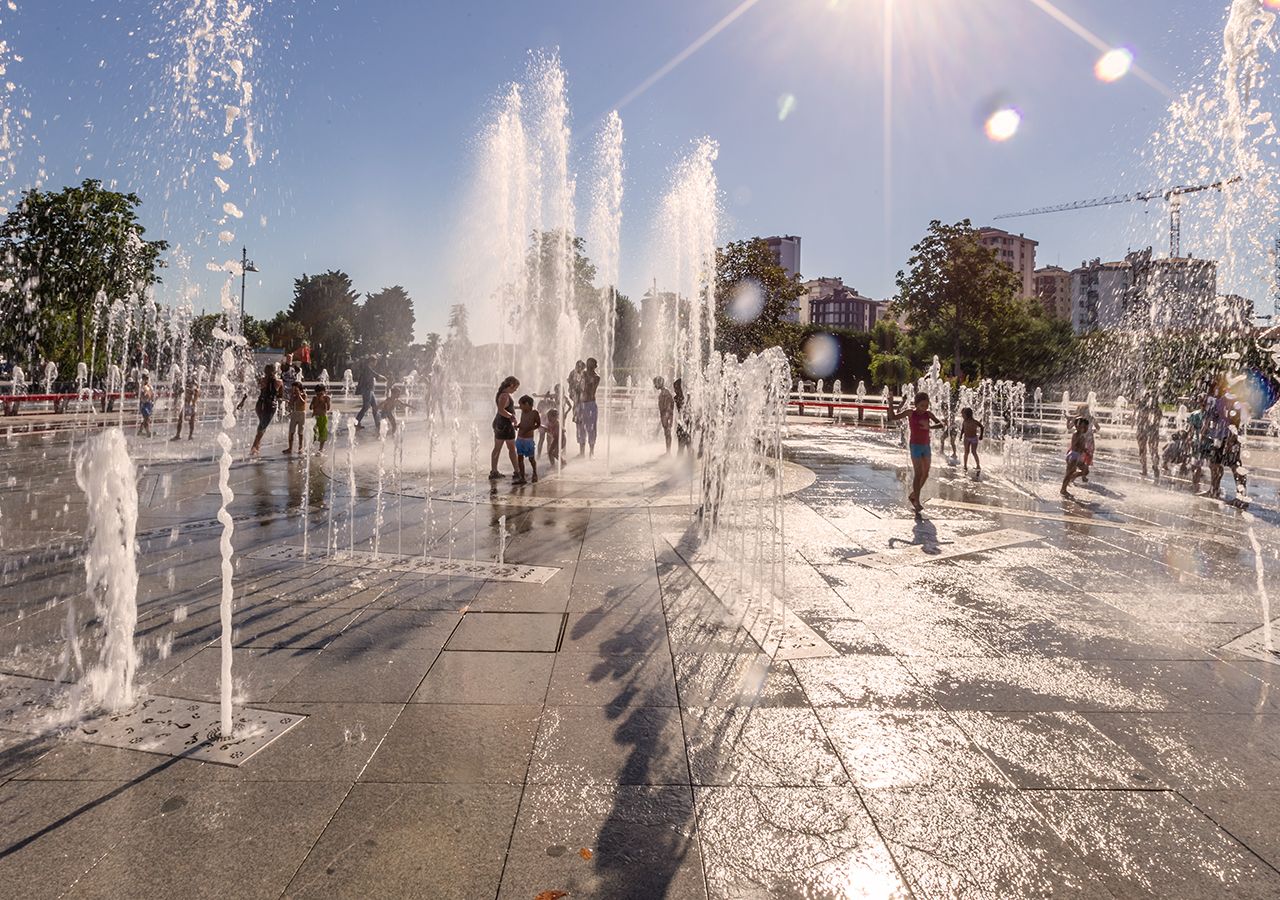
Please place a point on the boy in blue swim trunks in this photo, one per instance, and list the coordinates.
(526, 446)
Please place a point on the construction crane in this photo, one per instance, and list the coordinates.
(1173, 196)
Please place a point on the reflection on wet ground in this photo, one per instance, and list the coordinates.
(1023, 697)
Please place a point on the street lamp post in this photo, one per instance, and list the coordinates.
(245, 268)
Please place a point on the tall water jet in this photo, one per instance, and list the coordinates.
(604, 242)
(106, 474)
(228, 524)
(678, 331)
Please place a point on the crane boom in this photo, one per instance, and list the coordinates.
(1173, 196)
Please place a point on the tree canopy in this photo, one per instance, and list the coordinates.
(753, 294)
(326, 306)
(60, 253)
(384, 325)
(961, 302)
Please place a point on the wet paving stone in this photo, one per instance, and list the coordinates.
(874, 682)
(762, 746)
(1055, 718)
(977, 844)
(516, 632)
(599, 840)
(792, 842)
(412, 840)
(1155, 844)
(1054, 750)
(612, 745)
(465, 676)
(456, 744)
(907, 748)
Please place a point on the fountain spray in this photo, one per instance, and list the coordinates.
(224, 517)
(106, 474)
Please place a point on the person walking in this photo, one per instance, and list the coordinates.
(270, 390)
(366, 387)
(504, 426)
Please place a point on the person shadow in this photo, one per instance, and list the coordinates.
(924, 534)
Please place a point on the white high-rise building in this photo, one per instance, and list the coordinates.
(1016, 251)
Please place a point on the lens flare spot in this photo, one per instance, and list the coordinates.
(1113, 65)
(747, 302)
(821, 355)
(1003, 124)
(786, 106)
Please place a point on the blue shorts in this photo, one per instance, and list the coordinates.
(921, 451)
(526, 447)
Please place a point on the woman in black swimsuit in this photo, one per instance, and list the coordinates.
(504, 424)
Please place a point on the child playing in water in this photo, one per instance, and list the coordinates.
(297, 400)
(1077, 464)
(321, 403)
(189, 398)
(972, 431)
(666, 410)
(526, 447)
(920, 421)
(392, 405)
(553, 432)
(1228, 456)
(146, 404)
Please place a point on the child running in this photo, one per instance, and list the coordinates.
(321, 403)
(973, 432)
(146, 404)
(920, 421)
(269, 390)
(526, 447)
(1077, 456)
(297, 401)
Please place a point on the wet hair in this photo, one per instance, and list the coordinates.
(269, 369)
(658, 382)
(921, 395)
(591, 362)
(322, 388)
(967, 412)
(509, 382)
(1082, 421)
(526, 400)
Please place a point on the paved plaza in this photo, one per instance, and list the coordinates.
(1011, 696)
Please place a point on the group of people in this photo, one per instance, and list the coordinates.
(276, 393)
(539, 426)
(525, 427)
(1210, 438)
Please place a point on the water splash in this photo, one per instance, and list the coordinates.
(106, 474)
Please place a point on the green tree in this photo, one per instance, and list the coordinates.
(384, 325)
(747, 280)
(957, 291)
(58, 253)
(285, 332)
(326, 306)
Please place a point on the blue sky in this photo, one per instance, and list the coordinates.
(368, 110)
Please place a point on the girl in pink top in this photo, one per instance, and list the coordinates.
(920, 421)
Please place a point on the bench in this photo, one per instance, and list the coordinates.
(13, 402)
(831, 406)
